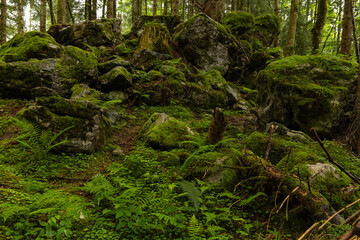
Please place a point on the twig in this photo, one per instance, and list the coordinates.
(309, 230)
(354, 215)
(269, 143)
(341, 210)
(331, 160)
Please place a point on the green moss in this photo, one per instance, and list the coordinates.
(77, 63)
(239, 22)
(155, 37)
(269, 23)
(83, 92)
(23, 47)
(212, 78)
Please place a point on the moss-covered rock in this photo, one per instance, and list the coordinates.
(104, 32)
(239, 22)
(164, 132)
(90, 128)
(306, 91)
(84, 92)
(76, 63)
(18, 79)
(115, 62)
(117, 78)
(25, 46)
(147, 60)
(267, 29)
(205, 43)
(155, 37)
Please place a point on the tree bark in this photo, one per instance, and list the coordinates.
(70, 11)
(191, 8)
(290, 40)
(43, 16)
(51, 9)
(94, 8)
(319, 25)
(136, 10)
(339, 29)
(174, 7)
(276, 7)
(154, 7)
(114, 9)
(217, 127)
(109, 9)
(214, 9)
(61, 12)
(347, 29)
(20, 23)
(103, 9)
(165, 7)
(3, 22)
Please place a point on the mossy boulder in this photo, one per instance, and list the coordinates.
(239, 22)
(117, 78)
(164, 132)
(90, 128)
(147, 60)
(25, 46)
(104, 32)
(76, 63)
(306, 92)
(155, 37)
(170, 22)
(205, 43)
(21, 79)
(267, 29)
(115, 62)
(84, 92)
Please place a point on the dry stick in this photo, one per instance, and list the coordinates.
(295, 189)
(354, 215)
(269, 143)
(353, 232)
(341, 210)
(309, 230)
(350, 175)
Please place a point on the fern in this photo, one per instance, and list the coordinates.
(195, 228)
(9, 210)
(193, 193)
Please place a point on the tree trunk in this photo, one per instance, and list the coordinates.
(3, 22)
(103, 9)
(43, 16)
(109, 9)
(165, 7)
(347, 29)
(276, 7)
(20, 23)
(154, 7)
(290, 40)
(94, 8)
(217, 127)
(70, 11)
(319, 25)
(114, 9)
(51, 9)
(136, 10)
(191, 8)
(183, 10)
(61, 12)
(214, 9)
(87, 9)
(174, 7)
(339, 29)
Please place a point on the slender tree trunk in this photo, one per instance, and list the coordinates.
(61, 12)
(183, 10)
(276, 7)
(145, 7)
(51, 9)
(191, 8)
(103, 9)
(20, 23)
(30, 16)
(290, 40)
(136, 10)
(339, 29)
(109, 9)
(174, 7)
(165, 7)
(154, 7)
(3, 22)
(319, 25)
(233, 5)
(347, 29)
(94, 8)
(87, 10)
(355, 35)
(43, 16)
(114, 9)
(70, 11)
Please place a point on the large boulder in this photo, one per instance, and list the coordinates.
(164, 132)
(19, 79)
(146, 60)
(104, 32)
(90, 128)
(117, 78)
(205, 43)
(30, 45)
(305, 92)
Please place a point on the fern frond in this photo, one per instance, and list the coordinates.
(193, 193)
(195, 228)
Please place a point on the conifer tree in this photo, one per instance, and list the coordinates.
(3, 22)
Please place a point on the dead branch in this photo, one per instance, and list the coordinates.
(309, 230)
(269, 143)
(331, 160)
(349, 219)
(353, 232)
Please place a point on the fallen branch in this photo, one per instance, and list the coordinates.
(331, 160)
(309, 230)
(266, 157)
(353, 232)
